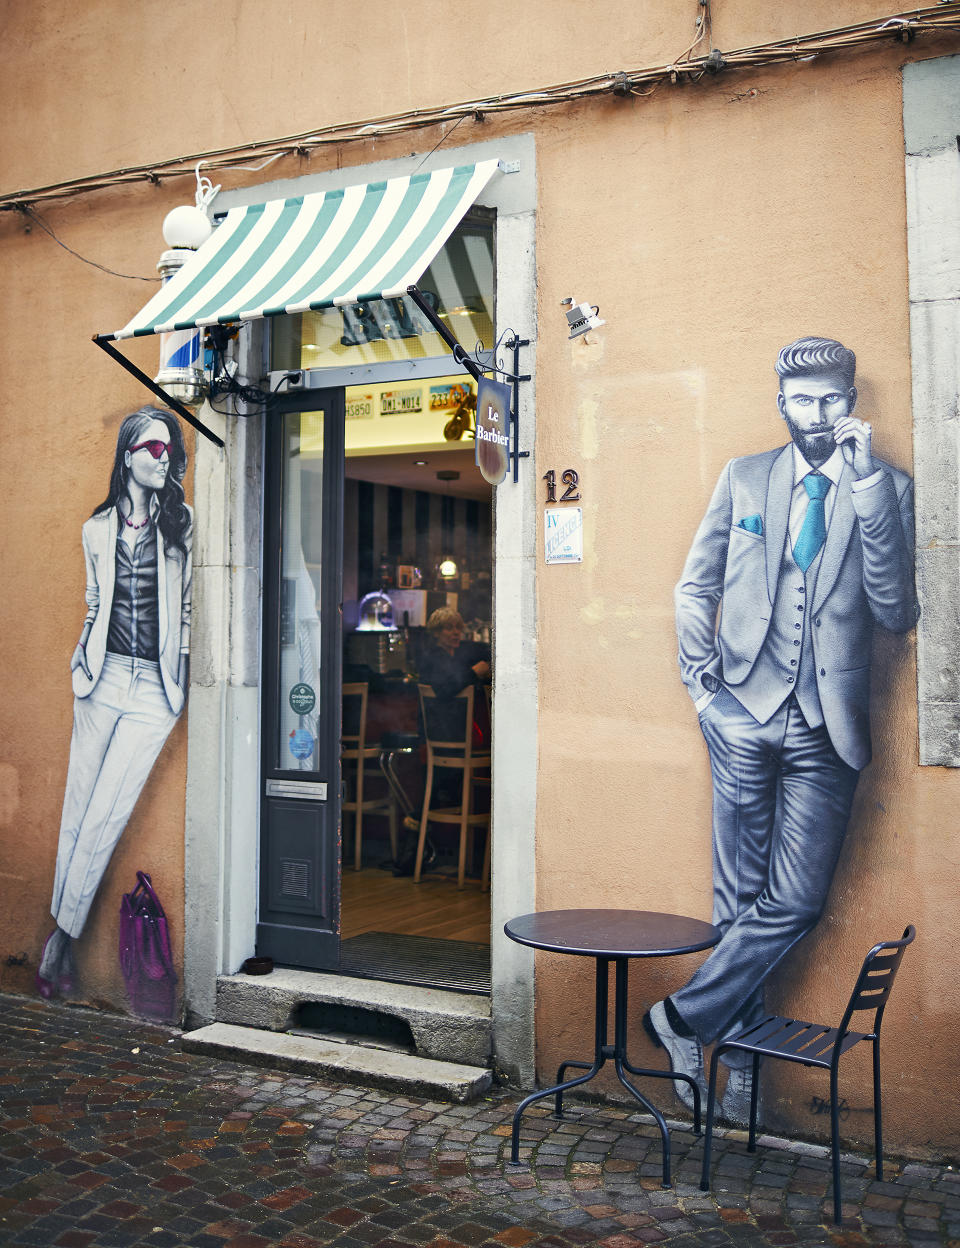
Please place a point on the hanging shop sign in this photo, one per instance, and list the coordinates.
(493, 423)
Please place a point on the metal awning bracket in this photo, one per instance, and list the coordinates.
(106, 341)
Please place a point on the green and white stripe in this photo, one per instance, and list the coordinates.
(315, 251)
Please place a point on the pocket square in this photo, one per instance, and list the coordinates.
(753, 524)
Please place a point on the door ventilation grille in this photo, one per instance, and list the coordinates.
(295, 877)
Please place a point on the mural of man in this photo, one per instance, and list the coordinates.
(802, 550)
(130, 667)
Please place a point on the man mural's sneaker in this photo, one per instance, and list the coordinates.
(734, 1105)
(684, 1053)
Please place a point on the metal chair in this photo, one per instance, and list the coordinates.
(812, 1044)
(354, 749)
(448, 728)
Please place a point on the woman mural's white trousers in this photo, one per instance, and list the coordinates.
(118, 731)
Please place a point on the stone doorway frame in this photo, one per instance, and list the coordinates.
(222, 801)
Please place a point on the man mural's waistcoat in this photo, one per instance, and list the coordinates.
(865, 576)
(786, 662)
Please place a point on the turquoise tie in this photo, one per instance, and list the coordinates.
(814, 531)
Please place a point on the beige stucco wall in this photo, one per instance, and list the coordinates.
(724, 226)
(712, 224)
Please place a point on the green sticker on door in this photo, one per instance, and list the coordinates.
(302, 699)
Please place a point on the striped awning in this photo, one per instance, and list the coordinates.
(315, 251)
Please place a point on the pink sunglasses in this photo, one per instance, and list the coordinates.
(154, 446)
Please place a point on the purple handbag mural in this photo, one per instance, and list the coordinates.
(145, 957)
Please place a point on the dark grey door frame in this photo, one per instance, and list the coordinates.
(300, 825)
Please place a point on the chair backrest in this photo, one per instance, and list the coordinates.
(353, 732)
(448, 722)
(875, 980)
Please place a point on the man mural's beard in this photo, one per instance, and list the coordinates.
(816, 448)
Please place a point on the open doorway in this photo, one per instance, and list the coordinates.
(417, 612)
(416, 537)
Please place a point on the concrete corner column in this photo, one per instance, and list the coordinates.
(931, 115)
(513, 877)
(222, 754)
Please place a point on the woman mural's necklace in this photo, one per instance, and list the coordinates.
(133, 526)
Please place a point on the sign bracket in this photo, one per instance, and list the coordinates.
(482, 361)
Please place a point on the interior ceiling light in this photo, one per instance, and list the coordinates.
(420, 463)
(465, 309)
(448, 474)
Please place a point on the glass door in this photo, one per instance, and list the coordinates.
(299, 920)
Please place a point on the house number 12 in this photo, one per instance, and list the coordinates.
(570, 478)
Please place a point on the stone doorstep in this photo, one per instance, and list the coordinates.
(446, 1026)
(329, 1059)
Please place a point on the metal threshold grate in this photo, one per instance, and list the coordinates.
(458, 965)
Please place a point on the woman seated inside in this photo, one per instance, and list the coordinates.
(448, 663)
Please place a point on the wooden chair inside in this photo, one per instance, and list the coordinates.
(356, 758)
(448, 729)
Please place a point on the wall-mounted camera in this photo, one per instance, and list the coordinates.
(581, 316)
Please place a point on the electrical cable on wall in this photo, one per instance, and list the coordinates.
(446, 135)
(223, 376)
(205, 194)
(35, 217)
(903, 26)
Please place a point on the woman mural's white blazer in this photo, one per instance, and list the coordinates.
(174, 586)
(122, 715)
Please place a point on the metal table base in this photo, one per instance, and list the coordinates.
(391, 745)
(604, 1052)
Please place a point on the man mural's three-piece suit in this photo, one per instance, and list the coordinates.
(781, 682)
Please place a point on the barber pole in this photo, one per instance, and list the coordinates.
(181, 351)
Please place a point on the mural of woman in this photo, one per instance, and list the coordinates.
(130, 667)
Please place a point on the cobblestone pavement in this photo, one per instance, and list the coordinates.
(110, 1135)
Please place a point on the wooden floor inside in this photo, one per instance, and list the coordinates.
(373, 900)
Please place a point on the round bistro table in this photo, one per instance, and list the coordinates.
(611, 936)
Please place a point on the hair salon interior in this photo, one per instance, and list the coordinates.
(421, 699)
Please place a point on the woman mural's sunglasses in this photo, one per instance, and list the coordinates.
(154, 446)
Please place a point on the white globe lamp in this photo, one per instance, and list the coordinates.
(186, 226)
